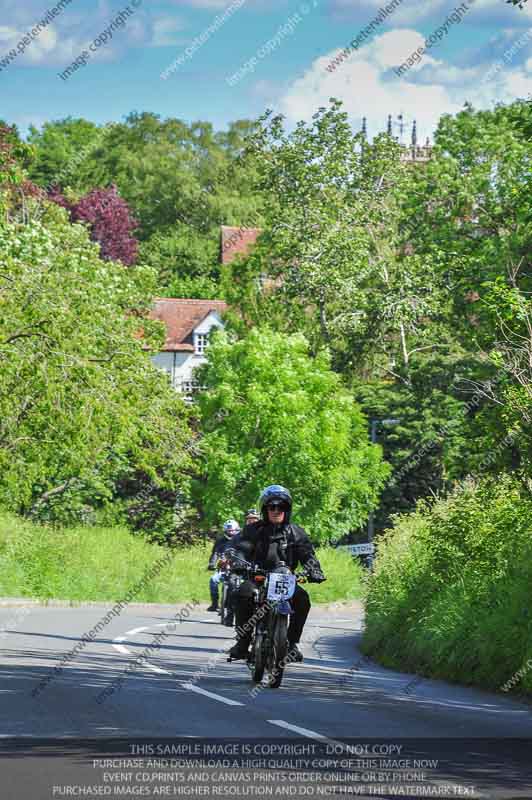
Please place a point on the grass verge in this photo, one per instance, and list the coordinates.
(90, 563)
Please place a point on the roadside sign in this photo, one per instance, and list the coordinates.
(363, 549)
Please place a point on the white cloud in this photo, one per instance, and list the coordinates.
(7, 34)
(166, 32)
(59, 43)
(405, 14)
(368, 86)
(410, 12)
(394, 47)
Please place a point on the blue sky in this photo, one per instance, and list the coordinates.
(485, 58)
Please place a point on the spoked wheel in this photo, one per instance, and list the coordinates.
(279, 651)
(259, 665)
(223, 604)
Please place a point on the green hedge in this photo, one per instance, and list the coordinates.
(91, 563)
(450, 596)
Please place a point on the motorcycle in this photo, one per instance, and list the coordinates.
(230, 583)
(271, 608)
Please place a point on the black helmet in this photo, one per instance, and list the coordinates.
(272, 493)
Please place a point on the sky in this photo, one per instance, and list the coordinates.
(222, 60)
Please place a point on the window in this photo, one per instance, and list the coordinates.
(202, 340)
(189, 389)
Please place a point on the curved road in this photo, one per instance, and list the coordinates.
(184, 688)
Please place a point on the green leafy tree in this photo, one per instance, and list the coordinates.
(331, 261)
(174, 174)
(81, 406)
(61, 147)
(187, 262)
(472, 203)
(273, 414)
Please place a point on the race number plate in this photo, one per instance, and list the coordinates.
(281, 586)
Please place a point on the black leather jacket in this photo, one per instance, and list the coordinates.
(220, 546)
(265, 545)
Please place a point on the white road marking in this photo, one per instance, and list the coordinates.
(157, 669)
(214, 696)
(153, 667)
(281, 723)
(457, 704)
(305, 732)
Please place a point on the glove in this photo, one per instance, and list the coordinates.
(316, 576)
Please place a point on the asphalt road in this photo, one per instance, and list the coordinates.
(185, 690)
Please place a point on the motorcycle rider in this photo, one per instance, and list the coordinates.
(252, 516)
(230, 530)
(267, 542)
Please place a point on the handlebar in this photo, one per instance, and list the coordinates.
(301, 577)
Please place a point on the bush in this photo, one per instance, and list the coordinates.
(450, 596)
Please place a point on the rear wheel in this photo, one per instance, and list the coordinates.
(279, 650)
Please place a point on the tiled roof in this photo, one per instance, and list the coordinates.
(237, 240)
(181, 317)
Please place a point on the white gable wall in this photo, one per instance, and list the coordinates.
(211, 321)
(179, 365)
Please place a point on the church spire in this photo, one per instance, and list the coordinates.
(389, 130)
(364, 130)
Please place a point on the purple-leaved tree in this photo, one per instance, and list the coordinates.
(109, 219)
(111, 223)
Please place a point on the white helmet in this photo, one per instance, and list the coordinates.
(231, 528)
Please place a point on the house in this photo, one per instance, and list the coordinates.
(236, 241)
(188, 325)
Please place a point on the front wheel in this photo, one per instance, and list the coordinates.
(279, 651)
(259, 663)
(223, 604)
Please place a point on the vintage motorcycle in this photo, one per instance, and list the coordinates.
(271, 608)
(230, 582)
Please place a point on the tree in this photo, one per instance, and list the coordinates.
(472, 203)
(389, 264)
(15, 188)
(61, 148)
(82, 409)
(186, 262)
(181, 182)
(333, 245)
(174, 174)
(271, 414)
(111, 223)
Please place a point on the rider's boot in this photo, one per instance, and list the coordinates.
(294, 653)
(229, 619)
(240, 649)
